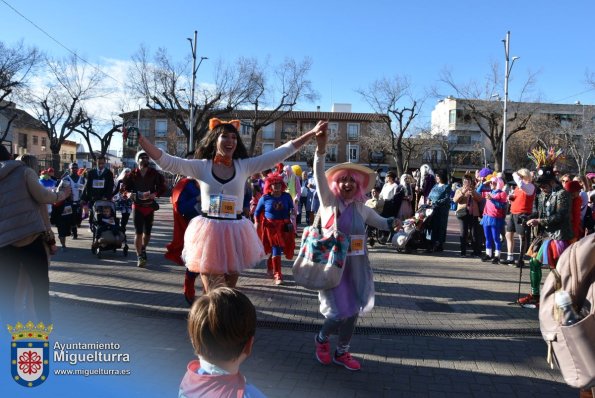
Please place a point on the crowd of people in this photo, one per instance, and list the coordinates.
(231, 211)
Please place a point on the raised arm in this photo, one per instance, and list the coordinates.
(153, 152)
(323, 190)
(301, 140)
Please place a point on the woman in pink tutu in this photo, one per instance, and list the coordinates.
(222, 243)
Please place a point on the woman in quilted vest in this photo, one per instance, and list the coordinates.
(342, 194)
(24, 237)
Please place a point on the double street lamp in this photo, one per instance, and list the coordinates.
(508, 68)
(194, 70)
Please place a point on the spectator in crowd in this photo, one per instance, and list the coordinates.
(467, 198)
(521, 206)
(25, 236)
(494, 214)
(439, 199)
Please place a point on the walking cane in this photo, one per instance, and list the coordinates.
(521, 263)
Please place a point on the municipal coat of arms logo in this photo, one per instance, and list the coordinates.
(30, 353)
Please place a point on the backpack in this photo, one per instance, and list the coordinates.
(572, 348)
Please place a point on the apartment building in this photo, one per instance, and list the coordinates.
(452, 118)
(346, 130)
(27, 135)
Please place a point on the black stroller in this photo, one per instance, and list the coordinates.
(413, 234)
(107, 234)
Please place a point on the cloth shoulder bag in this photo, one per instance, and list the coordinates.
(320, 260)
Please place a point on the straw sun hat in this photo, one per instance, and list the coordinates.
(369, 174)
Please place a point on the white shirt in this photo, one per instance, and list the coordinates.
(202, 170)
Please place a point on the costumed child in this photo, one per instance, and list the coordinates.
(494, 215)
(275, 229)
(221, 325)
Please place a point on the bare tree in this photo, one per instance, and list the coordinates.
(488, 114)
(89, 133)
(165, 87)
(60, 104)
(16, 65)
(392, 97)
(571, 132)
(279, 91)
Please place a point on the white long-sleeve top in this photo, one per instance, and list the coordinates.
(202, 170)
(389, 190)
(328, 200)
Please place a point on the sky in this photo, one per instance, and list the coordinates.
(351, 43)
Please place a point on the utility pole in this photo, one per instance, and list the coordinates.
(194, 70)
(507, 70)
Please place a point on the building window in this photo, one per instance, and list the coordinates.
(289, 130)
(353, 131)
(353, 153)
(331, 153)
(161, 145)
(267, 147)
(144, 127)
(566, 121)
(246, 127)
(181, 148)
(268, 132)
(307, 126)
(463, 139)
(22, 140)
(452, 116)
(35, 140)
(333, 131)
(44, 141)
(160, 127)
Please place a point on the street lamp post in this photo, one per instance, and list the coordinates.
(506, 76)
(194, 70)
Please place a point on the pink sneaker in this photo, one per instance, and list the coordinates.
(323, 352)
(347, 360)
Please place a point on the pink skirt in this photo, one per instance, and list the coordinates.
(214, 246)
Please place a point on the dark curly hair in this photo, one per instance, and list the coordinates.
(207, 148)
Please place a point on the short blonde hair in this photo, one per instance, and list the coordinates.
(526, 174)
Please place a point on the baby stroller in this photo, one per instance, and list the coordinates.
(107, 234)
(412, 235)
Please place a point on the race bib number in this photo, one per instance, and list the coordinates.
(144, 195)
(222, 206)
(67, 210)
(98, 184)
(357, 245)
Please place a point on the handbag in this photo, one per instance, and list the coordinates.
(461, 213)
(320, 260)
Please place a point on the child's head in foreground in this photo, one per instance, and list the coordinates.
(221, 325)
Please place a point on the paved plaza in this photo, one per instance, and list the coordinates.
(442, 327)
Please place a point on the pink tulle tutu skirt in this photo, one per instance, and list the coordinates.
(213, 246)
